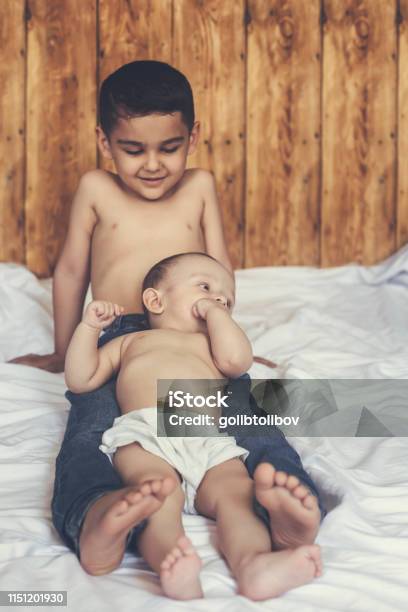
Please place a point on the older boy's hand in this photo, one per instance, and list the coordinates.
(100, 314)
(52, 362)
(201, 307)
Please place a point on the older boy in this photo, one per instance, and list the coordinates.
(189, 299)
(120, 225)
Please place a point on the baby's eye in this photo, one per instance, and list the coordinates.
(205, 286)
(173, 150)
(134, 152)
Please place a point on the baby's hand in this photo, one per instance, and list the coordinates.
(100, 314)
(201, 307)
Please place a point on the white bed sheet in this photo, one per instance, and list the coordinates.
(347, 322)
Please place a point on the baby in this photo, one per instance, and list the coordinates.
(188, 299)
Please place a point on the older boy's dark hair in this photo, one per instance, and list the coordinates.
(142, 88)
(158, 272)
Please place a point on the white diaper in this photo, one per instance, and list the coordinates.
(191, 457)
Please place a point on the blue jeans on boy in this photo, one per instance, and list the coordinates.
(83, 473)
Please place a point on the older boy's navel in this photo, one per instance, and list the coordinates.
(114, 225)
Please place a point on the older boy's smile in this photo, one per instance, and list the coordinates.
(152, 182)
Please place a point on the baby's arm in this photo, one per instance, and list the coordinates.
(212, 221)
(86, 366)
(71, 276)
(230, 348)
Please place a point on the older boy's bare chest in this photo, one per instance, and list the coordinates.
(131, 236)
(124, 219)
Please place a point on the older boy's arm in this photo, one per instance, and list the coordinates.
(86, 366)
(214, 235)
(71, 277)
(212, 221)
(230, 347)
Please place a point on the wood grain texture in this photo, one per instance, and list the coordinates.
(12, 146)
(359, 131)
(283, 132)
(61, 110)
(402, 191)
(209, 48)
(132, 30)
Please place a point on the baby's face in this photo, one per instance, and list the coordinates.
(150, 152)
(190, 280)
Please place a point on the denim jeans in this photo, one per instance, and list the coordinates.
(83, 473)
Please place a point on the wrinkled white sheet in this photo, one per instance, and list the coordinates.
(348, 322)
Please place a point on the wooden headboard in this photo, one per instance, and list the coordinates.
(303, 107)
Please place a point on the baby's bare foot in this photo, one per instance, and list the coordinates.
(180, 571)
(103, 536)
(271, 574)
(293, 510)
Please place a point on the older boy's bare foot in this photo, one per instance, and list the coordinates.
(180, 570)
(104, 533)
(269, 575)
(293, 510)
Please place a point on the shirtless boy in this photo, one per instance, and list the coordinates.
(120, 225)
(189, 298)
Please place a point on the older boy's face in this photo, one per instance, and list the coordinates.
(150, 152)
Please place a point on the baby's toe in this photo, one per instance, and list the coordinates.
(122, 507)
(165, 566)
(133, 497)
(177, 553)
(146, 488)
(156, 486)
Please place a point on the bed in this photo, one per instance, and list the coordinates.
(349, 322)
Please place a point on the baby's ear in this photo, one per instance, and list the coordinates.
(153, 301)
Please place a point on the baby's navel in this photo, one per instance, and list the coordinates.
(114, 225)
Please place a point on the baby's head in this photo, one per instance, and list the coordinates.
(172, 287)
(146, 126)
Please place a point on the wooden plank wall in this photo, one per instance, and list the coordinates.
(303, 108)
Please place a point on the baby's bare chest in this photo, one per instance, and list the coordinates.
(168, 347)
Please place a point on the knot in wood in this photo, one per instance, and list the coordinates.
(286, 28)
(362, 28)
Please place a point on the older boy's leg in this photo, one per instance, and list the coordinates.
(285, 495)
(163, 542)
(225, 494)
(87, 488)
(274, 463)
(293, 511)
(103, 545)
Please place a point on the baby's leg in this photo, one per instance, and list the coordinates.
(226, 494)
(163, 543)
